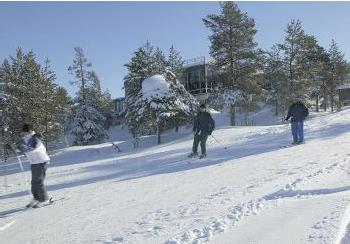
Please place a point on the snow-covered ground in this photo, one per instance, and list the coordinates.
(253, 191)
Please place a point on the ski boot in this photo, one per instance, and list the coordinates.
(202, 156)
(192, 155)
(32, 203)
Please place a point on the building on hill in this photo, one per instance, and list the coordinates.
(119, 105)
(344, 94)
(198, 78)
(119, 109)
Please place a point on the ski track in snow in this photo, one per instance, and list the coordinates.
(7, 225)
(150, 225)
(242, 210)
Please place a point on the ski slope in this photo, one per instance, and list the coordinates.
(252, 192)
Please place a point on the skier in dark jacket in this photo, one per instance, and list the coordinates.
(203, 126)
(298, 112)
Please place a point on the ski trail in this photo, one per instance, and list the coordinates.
(343, 236)
(237, 213)
(7, 225)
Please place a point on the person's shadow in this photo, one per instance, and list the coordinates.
(7, 213)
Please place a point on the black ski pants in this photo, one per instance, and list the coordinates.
(201, 138)
(38, 177)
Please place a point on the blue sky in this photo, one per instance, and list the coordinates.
(109, 32)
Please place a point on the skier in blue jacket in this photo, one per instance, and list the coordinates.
(298, 113)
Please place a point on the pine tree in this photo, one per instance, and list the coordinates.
(87, 124)
(4, 113)
(175, 63)
(141, 116)
(318, 63)
(64, 110)
(295, 51)
(275, 79)
(338, 70)
(141, 66)
(79, 69)
(161, 108)
(32, 96)
(234, 50)
(102, 100)
(88, 120)
(159, 61)
(51, 126)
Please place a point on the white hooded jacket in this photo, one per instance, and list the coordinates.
(34, 149)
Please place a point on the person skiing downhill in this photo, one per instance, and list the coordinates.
(298, 112)
(32, 146)
(203, 126)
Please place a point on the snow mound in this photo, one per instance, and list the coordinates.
(155, 86)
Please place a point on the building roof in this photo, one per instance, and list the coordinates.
(197, 61)
(343, 86)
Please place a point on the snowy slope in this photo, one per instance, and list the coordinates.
(252, 192)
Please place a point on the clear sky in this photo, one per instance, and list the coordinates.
(109, 32)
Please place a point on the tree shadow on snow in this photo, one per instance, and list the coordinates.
(148, 163)
(164, 162)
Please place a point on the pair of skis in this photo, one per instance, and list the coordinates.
(15, 211)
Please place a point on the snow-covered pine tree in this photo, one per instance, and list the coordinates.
(175, 68)
(141, 112)
(234, 50)
(161, 103)
(102, 100)
(4, 118)
(31, 95)
(52, 109)
(160, 61)
(175, 63)
(186, 115)
(141, 66)
(12, 72)
(88, 122)
(64, 111)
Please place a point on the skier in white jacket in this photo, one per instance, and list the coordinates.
(32, 146)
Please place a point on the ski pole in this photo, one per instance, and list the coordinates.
(20, 165)
(218, 142)
(18, 158)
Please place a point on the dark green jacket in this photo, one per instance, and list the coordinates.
(203, 122)
(298, 111)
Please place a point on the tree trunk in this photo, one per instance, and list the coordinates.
(158, 135)
(325, 100)
(317, 107)
(158, 132)
(233, 114)
(276, 108)
(176, 125)
(331, 99)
